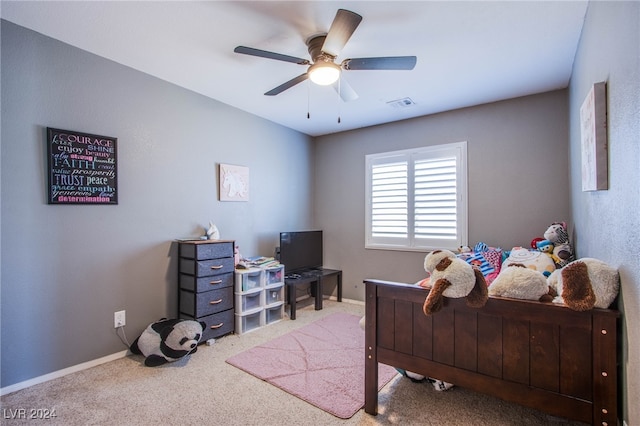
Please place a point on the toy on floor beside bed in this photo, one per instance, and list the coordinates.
(438, 385)
(168, 340)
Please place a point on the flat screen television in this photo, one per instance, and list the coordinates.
(300, 250)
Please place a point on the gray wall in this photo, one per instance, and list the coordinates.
(60, 286)
(518, 180)
(607, 223)
(67, 269)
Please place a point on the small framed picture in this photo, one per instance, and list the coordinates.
(81, 168)
(234, 183)
(593, 134)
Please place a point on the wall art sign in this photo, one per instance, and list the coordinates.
(234, 183)
(82, 168)
(593, 132)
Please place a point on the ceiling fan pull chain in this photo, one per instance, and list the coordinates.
(308, 100)
(339, 90)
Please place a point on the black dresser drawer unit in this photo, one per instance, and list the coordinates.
(206, 283)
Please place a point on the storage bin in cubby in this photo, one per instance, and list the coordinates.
(273, 295)
(249, 321)
(274, 275)
(249, 300)
(274, 313)
(248, 279)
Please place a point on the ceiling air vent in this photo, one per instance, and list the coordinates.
(401, 103)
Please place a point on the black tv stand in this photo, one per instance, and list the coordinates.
(313, 277)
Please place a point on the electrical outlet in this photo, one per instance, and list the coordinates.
(119, 319)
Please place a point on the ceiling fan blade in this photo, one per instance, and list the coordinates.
(270, 55)
(289, 84)
(343, 26)
(344, 89)
(384, 63)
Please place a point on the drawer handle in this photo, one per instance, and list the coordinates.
(217, 267)
(213, 327)
(215, 302)
(215, 282)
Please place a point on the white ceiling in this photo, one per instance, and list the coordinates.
(469, 53)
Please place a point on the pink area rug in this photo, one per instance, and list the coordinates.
(321, 363)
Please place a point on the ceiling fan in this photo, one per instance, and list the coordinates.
(324, 48)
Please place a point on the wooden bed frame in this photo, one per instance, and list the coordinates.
(541, 355)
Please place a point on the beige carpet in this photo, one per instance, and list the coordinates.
(205, 390)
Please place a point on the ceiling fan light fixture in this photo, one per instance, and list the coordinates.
(324, 73)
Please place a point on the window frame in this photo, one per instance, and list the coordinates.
(410, 156)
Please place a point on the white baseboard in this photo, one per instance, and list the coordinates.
(75, 368)
(60, 373)
(352, 301)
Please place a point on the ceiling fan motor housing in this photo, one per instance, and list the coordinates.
(314, 45)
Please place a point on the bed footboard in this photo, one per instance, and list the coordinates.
(544, 356)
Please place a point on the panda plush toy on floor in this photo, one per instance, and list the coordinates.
(168, 340)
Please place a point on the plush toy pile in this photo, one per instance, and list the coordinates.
(168, 340)
(546, 272)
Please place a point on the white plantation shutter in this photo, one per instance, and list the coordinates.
(390, 198)
(435, 198)
(416, 199)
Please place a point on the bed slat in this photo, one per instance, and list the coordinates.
(515, 342)
(575, 359)
(403, 327)
(545, 356)
(490, 353)
(422, 333)
(443, 337)
(466, 340)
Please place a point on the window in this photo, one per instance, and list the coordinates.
(417, 199)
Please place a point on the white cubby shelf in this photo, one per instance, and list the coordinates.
(259, 297)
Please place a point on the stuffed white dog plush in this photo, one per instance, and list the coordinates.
(455, 278)
(585, 284)
(519, 282)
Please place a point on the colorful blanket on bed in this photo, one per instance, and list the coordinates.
(487, 259)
